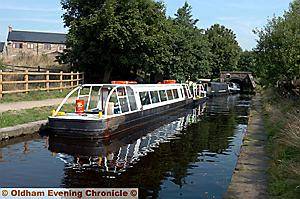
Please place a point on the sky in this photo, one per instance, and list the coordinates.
(242, 16)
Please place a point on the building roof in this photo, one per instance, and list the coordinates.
(2, 44)
(36, 37)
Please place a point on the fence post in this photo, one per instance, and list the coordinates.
(47, 81)
(72, 83)
(78, 78)
(26, 81)
(1, 88)
(61, 81)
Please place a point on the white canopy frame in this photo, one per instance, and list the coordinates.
(136, 88)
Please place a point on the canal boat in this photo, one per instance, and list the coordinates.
(233, 88)
(217, 88)
(103, 110)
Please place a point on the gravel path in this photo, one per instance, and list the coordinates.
(249, 179)
(31, 104)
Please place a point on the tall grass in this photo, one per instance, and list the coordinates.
(291, 132)
(282, 121)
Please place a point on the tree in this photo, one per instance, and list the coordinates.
(224, 48)
(190, 47)
(184, 16)
(278, 47)
(123, 39)
(110, 36)
(247, 61)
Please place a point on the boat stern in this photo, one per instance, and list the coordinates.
(77, 125)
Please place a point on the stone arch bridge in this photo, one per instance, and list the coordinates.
(244, 79)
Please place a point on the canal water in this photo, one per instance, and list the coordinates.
(188, 154)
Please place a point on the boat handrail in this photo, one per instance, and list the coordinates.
(66, 99)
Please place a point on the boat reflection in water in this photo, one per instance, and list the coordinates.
(120, 152)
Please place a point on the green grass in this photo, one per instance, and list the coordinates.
(32, 96)
(284, 170)
(12, 118)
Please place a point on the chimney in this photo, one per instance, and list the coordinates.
(10, 28)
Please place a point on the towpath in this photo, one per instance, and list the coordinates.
(31, 104)
(250, 176)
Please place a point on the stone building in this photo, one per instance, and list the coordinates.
(35, 43)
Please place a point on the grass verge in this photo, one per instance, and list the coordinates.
(12, 118)
(32, 96)
(282, 122)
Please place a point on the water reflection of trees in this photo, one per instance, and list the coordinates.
(197, 142)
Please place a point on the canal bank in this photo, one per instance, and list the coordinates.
(249, 179)
(22, 129)
(29, 119)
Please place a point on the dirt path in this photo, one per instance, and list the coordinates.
(31, 104)
(250, 176)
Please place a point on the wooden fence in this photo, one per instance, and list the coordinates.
(25, 80)
(13, 68)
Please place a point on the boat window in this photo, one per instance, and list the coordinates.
(181, 92)
(121, 92)
(145, 98)
(94, 99)
(131, 98)
(170, 95)
(163, 96)
(103, 94)
(191, 91)
(113, 106)
(154, 96)
(84, 95)
(185, 92)
(85, 91)
(176, 96)
(124, 104)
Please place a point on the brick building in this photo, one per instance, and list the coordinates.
(35, 43)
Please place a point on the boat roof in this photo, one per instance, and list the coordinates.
(139, 87)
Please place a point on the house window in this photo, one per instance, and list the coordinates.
(17, 45)
(47, 46)
(30, 45)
